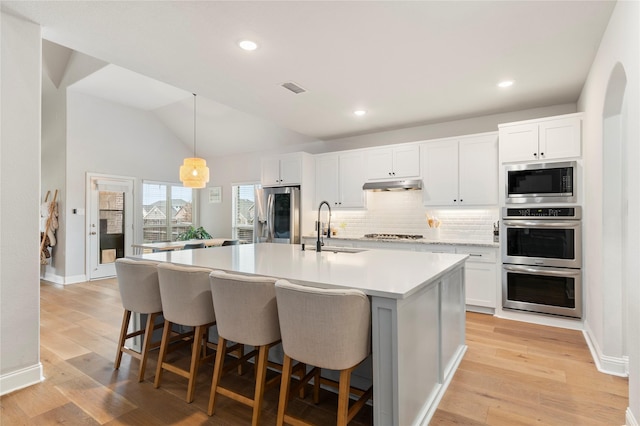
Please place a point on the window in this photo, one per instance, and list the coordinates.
(244, 205)
(167, 211)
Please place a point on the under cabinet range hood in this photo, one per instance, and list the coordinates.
(393, 185)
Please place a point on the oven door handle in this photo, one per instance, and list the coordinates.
(541, 224)
(545, 271)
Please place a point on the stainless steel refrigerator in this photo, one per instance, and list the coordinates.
(277, 215)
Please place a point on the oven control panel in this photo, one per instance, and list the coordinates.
(542, 212)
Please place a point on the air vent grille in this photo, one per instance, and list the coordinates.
(293, 87)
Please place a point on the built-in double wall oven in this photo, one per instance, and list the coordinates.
(542, 260)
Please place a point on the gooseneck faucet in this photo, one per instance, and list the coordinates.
(319, 243)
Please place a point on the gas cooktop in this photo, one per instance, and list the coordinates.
(392, 237)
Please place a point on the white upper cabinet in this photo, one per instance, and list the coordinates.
(282, 170)
(462, 172)
(478, 170)
(394, 162)
(339, 179)
(440, 173)
(539, 140)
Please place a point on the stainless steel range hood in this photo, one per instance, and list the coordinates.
(393, 185)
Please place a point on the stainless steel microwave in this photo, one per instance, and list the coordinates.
(541, 183)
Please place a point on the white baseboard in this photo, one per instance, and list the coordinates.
(16, 380)
(75, 279)
(58, 279)
(630, 419)
(616, 366)
(52, 278)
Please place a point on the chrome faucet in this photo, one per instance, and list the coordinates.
(319, 243)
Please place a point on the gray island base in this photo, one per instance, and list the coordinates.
(418, 312)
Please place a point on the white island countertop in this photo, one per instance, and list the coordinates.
(384, 273)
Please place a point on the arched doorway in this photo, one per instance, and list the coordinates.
(615, 213)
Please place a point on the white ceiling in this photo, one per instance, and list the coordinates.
(406, 63)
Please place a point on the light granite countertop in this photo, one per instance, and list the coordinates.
(385, 273)
(448, 242)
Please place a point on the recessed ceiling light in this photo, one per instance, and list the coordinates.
(359, 112)
(506, 83)
(248, 45)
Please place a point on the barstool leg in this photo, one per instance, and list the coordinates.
(148, 334)
(217, 373)
(343, 397)
(123, 337)
(164, 344)
(195, 361)
(261, 373)
(284, 390)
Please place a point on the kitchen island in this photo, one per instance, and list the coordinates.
(418, 311)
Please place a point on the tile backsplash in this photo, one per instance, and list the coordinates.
(403, 213)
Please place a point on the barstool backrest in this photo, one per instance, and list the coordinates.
(246, 308)
(138, 285)
(186, 295)
(325, 328)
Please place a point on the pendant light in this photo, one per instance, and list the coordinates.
(194, 172)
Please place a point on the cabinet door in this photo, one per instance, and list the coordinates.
(560, 138)
(351, 178)
(270, 175)
(519, 143)
(406, 161)
(440, 173)
(478, 171)
(290, 170)
(327, 180)
(380, 163)
(481, 284)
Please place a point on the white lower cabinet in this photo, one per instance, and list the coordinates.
(481, 279)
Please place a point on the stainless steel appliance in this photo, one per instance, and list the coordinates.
(541, 183)
(542, 260)
(277, 215)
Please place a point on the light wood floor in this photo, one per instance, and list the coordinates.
(512, 374)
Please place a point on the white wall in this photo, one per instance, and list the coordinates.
(19, 204)
(620, 44)
(468, 126)
(109, 138)
(54, 151)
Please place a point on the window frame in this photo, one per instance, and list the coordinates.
(195, 217)
(234, 209)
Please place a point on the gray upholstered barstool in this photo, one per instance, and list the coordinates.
(246, 313)
(186, 300)
(140, 293)
(326, 329)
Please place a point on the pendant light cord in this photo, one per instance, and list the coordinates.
(194, 125)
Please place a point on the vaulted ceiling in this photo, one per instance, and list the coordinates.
(405, 63)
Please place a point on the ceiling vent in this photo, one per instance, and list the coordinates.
(293, 87)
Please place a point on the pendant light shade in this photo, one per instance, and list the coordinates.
(194, 172)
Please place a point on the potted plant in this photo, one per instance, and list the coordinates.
(194, 234)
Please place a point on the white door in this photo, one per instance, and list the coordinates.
(109, 223)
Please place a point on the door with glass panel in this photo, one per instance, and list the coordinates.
(110, 224)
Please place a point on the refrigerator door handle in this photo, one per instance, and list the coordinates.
(271, 217)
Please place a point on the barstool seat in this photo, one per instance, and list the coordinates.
(326, 329)
(140, 293)
(246, 313)
(186, 300)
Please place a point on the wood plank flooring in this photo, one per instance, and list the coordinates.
(512, 374)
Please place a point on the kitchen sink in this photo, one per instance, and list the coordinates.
(330, 249)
